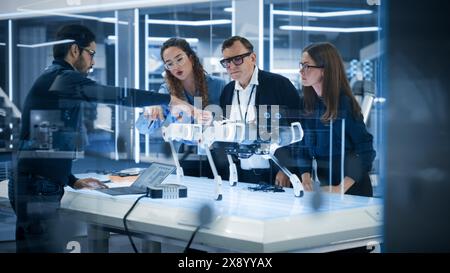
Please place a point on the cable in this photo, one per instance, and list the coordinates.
(205, 216)
(125, 220)
(192, 239)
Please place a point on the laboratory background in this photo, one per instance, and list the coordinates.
(395, 55)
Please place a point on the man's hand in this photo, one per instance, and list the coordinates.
(153, 113)
(89, 183)
(282, 180)
(307, 182)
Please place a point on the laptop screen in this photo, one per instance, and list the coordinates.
(153, 175)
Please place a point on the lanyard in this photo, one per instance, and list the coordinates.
(248, 103)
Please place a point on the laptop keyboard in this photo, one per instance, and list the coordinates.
(123, 190)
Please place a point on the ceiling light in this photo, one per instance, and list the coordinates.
(163, 39)
(159, 39)
(316, 14)
(189, 23)
(330, 29)
(78, 16)
(46, 43)
(322, 14)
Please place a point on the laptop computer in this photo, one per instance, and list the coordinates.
(152, 177)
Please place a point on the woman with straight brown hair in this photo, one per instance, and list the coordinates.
(327, 100)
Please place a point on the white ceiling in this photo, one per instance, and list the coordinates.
(13, 9)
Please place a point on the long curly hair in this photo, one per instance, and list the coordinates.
(334, 81)
(174, 84)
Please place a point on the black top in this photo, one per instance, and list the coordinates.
(60, 91)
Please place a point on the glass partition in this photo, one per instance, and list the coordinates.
(354, 28)
(4, 54)
(128, 41)
(205, 26)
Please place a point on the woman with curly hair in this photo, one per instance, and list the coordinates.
(185, 79)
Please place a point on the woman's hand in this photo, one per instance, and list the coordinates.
(307, 182)
(348, 182)
(179, 108)
(153, 113)
(282, 180)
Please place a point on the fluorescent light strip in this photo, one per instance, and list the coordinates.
(163, 39)
(271, 37)
(116, 82)
(136, 49)
(110, 20)
(189, 23)
(233, 18)
(137, 149)
(323, 14)
(261, 33)
(2, 44)
(46, 44)
(146, 79)
(10, 61)
(159, 39)
(330, 29)
(316, 14)
(97, 6)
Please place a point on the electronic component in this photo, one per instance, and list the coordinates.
(167, 191)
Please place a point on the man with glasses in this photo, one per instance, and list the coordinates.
(250, 88)
(49, 140)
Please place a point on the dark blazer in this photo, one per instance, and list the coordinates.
(62, 90)
(272, 89)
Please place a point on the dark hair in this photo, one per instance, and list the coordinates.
(174, 84)
(230, 41)
(334, 81)
(81, 35)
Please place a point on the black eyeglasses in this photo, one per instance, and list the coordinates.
(89, 51)
(237, 60)
(306, 67)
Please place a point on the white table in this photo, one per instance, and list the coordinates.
(245, 221)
